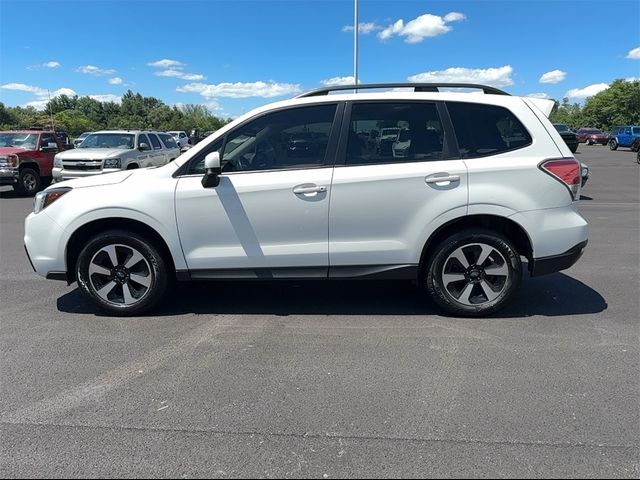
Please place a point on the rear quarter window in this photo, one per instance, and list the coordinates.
(483, 130)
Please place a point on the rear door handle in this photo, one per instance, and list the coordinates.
(309, 188)
(444, 178)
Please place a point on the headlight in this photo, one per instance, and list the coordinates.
(47, 197)
(10, 160)
(57, 162)
(112, 163)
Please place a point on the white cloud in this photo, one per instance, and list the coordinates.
(93, 70)
(107, 98)
(454, 17)
(166, 63)
(63, 91)
(538, 95)
(242, 90)
(52, 64)
(497, 77)
(42, 94)
(37, 104)
(193, 77)
(25, 88)
(554, 76)
(422, 27)
(586, 92)
(115, 81)
(332, 82)
(632, 79)
(364, 28)
(634, 54)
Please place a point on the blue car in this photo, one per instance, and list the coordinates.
(623, 136)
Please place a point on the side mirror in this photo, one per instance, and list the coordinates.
(49, 147)
(143, 146)
(212, 165)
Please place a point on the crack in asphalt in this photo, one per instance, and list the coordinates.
(329, 436)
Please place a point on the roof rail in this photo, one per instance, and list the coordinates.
(417, 87)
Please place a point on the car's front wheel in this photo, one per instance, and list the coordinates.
(613, 144)
(29, 182)
(473, 273)
(122, 272)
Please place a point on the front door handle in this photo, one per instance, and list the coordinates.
(309, 188)
(443, 178)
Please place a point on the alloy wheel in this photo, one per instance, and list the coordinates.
(30, 182)
(475, 273)
(120, 275)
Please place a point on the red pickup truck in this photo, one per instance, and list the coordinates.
(26, 158)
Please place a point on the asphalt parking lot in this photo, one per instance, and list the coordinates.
(332, 380)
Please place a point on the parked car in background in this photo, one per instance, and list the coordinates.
(112, 150)
(26, 158)
(591, 136)
(77, 141)
(623, 136)
(570, 138)
(458, 214)
(180, 137)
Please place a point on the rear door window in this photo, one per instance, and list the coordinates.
(168, 140)
(483, 130)
(155, 142)
(394, 132)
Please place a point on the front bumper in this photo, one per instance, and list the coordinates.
(555, 263)
(43, 245)
(8, 176)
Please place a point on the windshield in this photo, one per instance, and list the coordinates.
(561, 128)
(20, 140)
(123, 141)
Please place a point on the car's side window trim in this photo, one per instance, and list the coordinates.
(328, 160)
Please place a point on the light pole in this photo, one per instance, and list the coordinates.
(355, 43)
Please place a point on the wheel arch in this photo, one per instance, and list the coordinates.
(29, 163)
(502, 225)
(82, 234)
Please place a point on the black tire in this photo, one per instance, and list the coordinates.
(29, 182)
(574, 149)
(150, 268)
(638, 156)
(503, 258)
(613, 144)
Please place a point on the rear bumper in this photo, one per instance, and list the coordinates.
(555, 263)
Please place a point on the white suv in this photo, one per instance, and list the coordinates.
(485, 182)
(112, 150)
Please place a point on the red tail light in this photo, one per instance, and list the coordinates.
(567, 171)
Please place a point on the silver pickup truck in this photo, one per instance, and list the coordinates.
(113, 150)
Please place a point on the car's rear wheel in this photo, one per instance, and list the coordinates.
(613, 144)
(122, 272)
(473, 273)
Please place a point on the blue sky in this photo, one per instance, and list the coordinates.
(235, 55)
